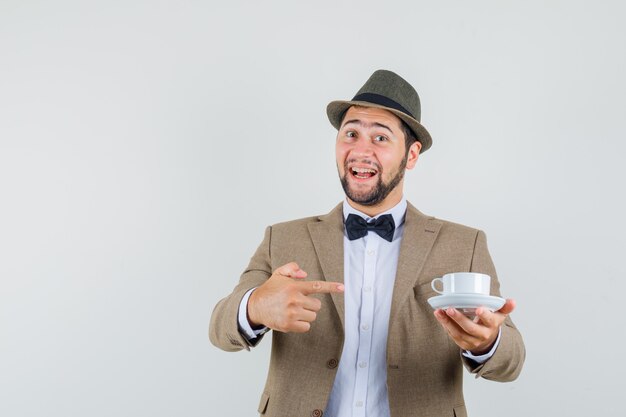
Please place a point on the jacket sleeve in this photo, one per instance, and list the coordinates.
(224, 329)
(507, 361)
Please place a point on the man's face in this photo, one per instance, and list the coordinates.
(371, 156)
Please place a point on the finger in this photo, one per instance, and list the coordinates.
(464, 323)
(291, 270)
(478, 344)
(487, 318)
(446, 321)
(494, 319)
(311, 303)
(321, 287)
(300, 327)
(460, 337)
(303, 315)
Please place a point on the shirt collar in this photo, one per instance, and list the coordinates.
(397, 212)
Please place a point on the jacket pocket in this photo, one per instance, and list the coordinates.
(460, 411)
(265, 398)
(424, 290)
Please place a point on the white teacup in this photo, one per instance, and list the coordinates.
(463, 283)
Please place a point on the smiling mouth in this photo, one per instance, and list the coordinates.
(363, 173)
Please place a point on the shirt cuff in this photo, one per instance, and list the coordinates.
(245, 328)
(480, 359)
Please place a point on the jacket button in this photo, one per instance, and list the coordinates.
(332, 363)
(317, 413)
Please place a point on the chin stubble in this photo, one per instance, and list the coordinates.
(379, 192)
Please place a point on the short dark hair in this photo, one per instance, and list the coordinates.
(409, 136)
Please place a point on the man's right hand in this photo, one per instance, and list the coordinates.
(283, 302)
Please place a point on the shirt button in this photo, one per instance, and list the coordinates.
(367, 289)
(370, 252)
(316, 413)
(359, 404)
(365, 327)
(362, 364)
(332, 363)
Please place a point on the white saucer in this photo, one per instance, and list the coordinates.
(465, 301)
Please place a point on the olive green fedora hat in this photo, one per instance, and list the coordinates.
(386, 90)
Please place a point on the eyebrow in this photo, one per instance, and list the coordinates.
(359, 122)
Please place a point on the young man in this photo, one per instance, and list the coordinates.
(359, 338)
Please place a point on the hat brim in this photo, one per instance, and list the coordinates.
(336, 109)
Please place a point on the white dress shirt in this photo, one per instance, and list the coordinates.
(370, 263)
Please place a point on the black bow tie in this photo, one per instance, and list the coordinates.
(357, 227)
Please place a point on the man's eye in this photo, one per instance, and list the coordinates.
(350, 134)
(380, 138)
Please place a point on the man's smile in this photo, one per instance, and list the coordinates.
(363, 173)
(363, 170)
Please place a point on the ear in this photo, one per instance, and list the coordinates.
(413, 155)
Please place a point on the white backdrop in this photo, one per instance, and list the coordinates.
(145, 145)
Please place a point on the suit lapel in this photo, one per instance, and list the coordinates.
(420, 233)
(419, 236)
(327, 237)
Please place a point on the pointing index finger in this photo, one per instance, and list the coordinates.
(321, 287)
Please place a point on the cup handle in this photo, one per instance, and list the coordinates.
(432, 284)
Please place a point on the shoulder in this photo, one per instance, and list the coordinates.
(445, 228)
(296, 223)
(293, 228)
(295, 239)
(334, 216)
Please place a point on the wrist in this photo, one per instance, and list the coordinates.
(250, 313)
(483, 350)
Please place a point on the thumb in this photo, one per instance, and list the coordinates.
(291, 270)
(508, 306)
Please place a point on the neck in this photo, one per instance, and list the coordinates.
(375, 210)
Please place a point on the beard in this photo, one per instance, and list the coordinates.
(380, 191)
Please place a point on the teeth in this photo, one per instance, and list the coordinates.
(363, 170)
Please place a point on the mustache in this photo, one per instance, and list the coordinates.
(373, 164)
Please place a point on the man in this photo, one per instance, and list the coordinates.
(346, 293)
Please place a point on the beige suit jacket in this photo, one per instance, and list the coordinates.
(424, 366)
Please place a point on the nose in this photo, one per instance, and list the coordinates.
(362, 147)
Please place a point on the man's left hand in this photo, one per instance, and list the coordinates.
(478, 335)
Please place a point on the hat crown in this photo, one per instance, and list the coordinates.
(385, 90)
(391, 86)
